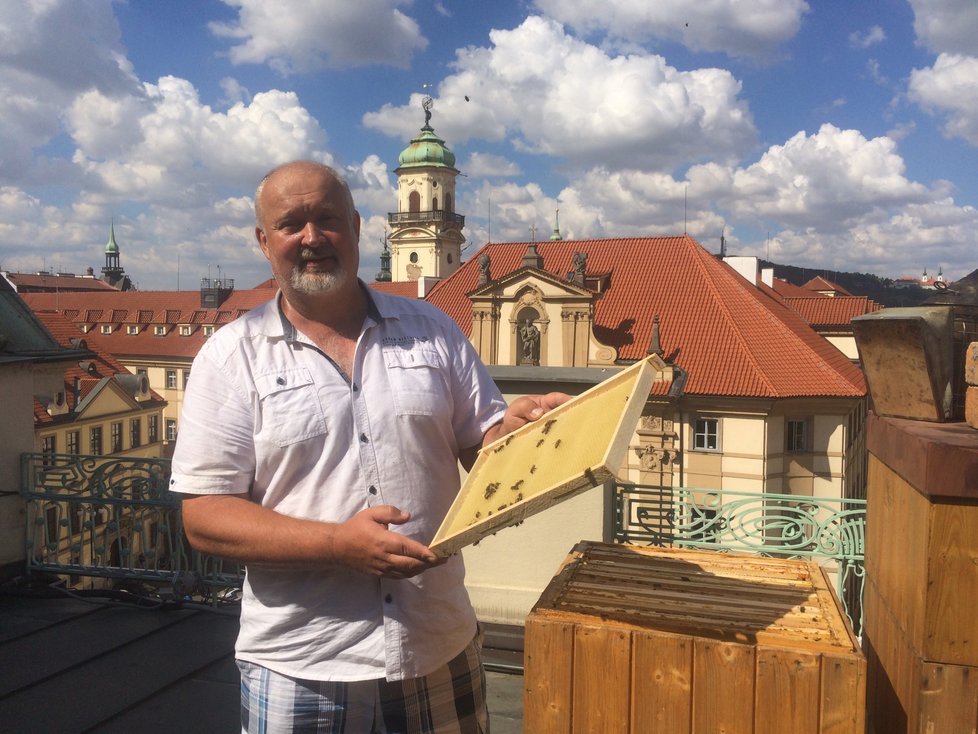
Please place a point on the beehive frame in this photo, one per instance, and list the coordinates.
(574, 447)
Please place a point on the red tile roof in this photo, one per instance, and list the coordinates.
(32, 282)
(88, 373)
(148, 308)
(818, 283)
(836, 311)
(407, 288)
(732, 339)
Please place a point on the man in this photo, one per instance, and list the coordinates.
(319, 443)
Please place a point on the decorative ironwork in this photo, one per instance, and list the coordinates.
(828, 530)
(436, 215)
(115, 518)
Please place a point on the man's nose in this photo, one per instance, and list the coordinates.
(311, 234)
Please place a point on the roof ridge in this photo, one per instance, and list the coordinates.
(722, 304)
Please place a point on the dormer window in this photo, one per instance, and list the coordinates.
(132, 330)
(159, 330)
(106, 328)
(185, 330)
(208, 330)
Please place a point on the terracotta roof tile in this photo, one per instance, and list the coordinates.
(835, 311)
(732, 338)
(407, 288)
(818, 283)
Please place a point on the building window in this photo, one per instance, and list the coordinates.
(159, 330)
(153, 428)
(132, 330)
(797, 435)
(208, 330)
(71, 442)
(116, 437)
(171, 379)
(171, 429)
(186, 378)
(142, 371)
(95, 440)
(706, 434)
(106, 328)
(135, 439)
(49, 445)
(413, 257)
(185, 330)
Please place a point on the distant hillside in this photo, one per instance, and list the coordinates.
(881, 290)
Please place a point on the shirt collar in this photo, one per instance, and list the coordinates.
(374, 312)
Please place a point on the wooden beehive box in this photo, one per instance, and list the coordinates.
(574, 447)
(627, 640)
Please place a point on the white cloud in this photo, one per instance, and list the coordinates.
(867, 38)
(49, 52)
(950, 87)
(168, 147)
(549, 93)
(489, 165)
(754, 30)
(947, 26)
(306, 35)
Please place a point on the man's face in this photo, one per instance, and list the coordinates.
(309, 230)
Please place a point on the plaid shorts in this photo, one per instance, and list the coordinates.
(451, 700)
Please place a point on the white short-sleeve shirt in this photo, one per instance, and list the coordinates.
(268, 414)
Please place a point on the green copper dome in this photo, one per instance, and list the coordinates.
(111, 248)
(427, 150)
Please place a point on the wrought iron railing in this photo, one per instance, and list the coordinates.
(830, 531)
(435, 215)
(114, 517)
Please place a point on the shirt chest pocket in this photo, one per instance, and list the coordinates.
(290, 407)
(416, 378)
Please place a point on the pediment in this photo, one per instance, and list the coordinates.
(548, 285)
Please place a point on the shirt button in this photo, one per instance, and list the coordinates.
(355, 388)
(280, 380)
(372, 489)
(363, 438)
(388, 598)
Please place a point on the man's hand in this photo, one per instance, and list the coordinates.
(365, 544)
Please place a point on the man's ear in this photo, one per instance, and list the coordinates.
(262, 241)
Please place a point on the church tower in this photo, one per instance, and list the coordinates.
(426, 233)
(113, 273)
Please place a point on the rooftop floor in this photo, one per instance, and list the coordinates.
(95, 665)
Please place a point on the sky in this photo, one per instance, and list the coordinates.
(825, 134)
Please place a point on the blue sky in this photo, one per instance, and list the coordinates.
(827, 134)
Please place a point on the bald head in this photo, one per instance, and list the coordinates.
(297, 167)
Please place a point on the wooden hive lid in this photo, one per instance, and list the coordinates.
(721, 596)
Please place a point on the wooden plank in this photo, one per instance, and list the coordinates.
(548, 671)
(602, 680)
(576, 446)
(662, 683)
(723, 688)
(891, 696)
(897, 546)
(948, 698)
(787, 692)
(843, 701)
(950, 633)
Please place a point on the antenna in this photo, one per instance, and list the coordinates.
(489, 237)
(685, 197)
(178, 271)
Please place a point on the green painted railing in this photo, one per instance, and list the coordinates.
(115, 518)
(830, 531)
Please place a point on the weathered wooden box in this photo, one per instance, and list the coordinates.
(627, 640)
(920, 625)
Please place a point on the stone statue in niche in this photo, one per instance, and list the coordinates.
(529, 343)
(484, 264)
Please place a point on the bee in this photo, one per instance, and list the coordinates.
(491, 489)
(478, 514)
(540, 443)
(519, 497)
(548, 425)
(502, 507)
(517, 485)
(533, 469)
(557, 444)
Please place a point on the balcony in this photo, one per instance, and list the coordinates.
(129, 629)
(429, 216)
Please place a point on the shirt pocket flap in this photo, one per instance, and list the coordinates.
(290, 407)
